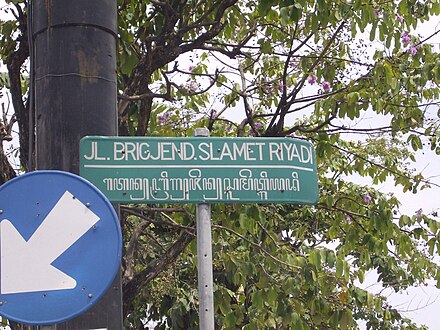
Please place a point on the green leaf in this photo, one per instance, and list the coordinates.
(230, 319)
(257, 299)
(373, 31)
(416, 142)
(264, 6)
(315, 258)
(331, 259)
(339, 267)
(404, 220)
(361, 275)
(346, 271)
(285, 15)
(352, 98)
(296, 14)
(369, 299)
(243, 220)
(346, 319)
(266, 47)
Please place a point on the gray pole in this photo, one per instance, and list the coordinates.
(204, 259)
(74, 64)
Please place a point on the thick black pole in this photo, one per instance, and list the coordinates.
(74, 43)
(75, 77)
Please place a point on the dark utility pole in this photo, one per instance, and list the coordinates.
(74, 63)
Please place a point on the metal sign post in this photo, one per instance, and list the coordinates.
(204, 259)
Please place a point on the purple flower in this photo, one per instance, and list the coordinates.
(348, 218)
(376, 13)
(191, 68)
(406, 38)
(258, 125)
(269, 88)
(163, 117)
(281, 86)
(367, 198)
(192, 86)
(419, 212)
(326, 86)
(312, 80)
(228, 129)
(412, 50)
(399, 18)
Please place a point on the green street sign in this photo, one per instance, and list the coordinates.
(201, 169)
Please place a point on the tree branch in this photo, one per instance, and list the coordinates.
(154, 268)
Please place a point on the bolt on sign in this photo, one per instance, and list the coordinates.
(201, 169)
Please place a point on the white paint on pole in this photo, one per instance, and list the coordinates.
(26, 265)
(204, 258)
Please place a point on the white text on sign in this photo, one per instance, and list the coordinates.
(204, 151)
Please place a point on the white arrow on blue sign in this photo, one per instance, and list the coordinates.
(61, 244)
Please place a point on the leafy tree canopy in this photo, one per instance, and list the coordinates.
(306, 68)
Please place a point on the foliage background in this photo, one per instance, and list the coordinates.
(273, 68)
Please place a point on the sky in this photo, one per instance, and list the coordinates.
(420, 304)
(423, 303)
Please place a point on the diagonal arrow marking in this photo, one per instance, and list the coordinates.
(26, 265)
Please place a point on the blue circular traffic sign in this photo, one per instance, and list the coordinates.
(61, 245)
